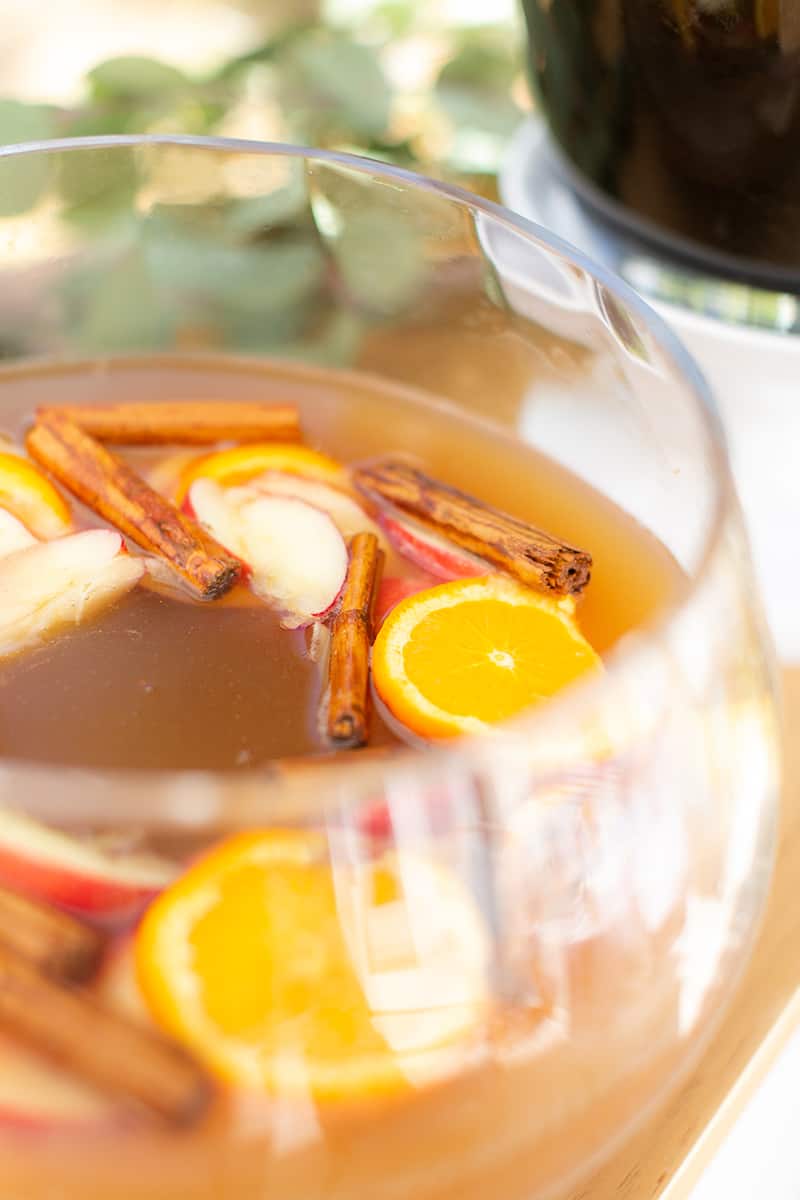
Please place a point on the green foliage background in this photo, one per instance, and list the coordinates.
(253, 274)
(325, 84)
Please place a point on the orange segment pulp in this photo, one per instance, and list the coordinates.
(30, 496)
(287, 972)
(460, 657)
(243, 463)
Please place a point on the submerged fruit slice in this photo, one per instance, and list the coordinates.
(13, 534)
(465, 655)
(346, 513)
(285, 972)
(393, 589)
(243, 463)
(296, 556)
(430, 551)
(29, 495)
(59, 583)
(80, 875)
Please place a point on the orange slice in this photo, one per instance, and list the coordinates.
(243, 463)
(30, 496)
(460, 657)
(289, 972)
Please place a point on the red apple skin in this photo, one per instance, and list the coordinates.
(435, 555)
(50, 865)
(375, 821)
(93, 896)
(394, 588)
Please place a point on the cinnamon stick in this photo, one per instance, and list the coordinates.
(351, 634)
(534, 557)
(188, 422)
(48, 938)
(123, 1059)
(115, 492)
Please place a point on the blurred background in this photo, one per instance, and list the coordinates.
(444, 79)
(435, 85)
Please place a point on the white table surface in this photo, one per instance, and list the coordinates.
(756, 382)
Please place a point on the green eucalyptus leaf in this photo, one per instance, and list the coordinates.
(335, 84)
(98, 186)
(266, 52)
(134, 77)
(200, 114)
(102, 122)
(285, 206)
(397, 17)
(485, 112)
(23, 178)
(334, 342)
(209, 277)
(263, 333)
(181, 221)
(115, 306)
(381, 260)
(401, 153)
(482, 62)
(26, 122)
(474, 90)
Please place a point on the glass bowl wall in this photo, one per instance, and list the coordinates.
(617, 843)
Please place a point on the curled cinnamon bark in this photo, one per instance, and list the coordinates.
(534, 557)
(48, 938)
(115, 492)
(351, 635)
(118, 1057)
(184, 422)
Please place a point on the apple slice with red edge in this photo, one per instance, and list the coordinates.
(36, 1097)
(394, 588)
(76, 874)
(346, 513)
(296, 556)
(52, 585)
(13, 534)
(375, 820)
(430, 551)
(217, 509)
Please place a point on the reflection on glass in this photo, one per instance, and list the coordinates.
(430, 972)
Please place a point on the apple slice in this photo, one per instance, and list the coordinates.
(346, 513)
(217, 509)
(393, 589)
(296, 555)
(430, 551)
(78, 875)
(37, 1097)
(13, 534)
(433, 811)
(60, 583)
